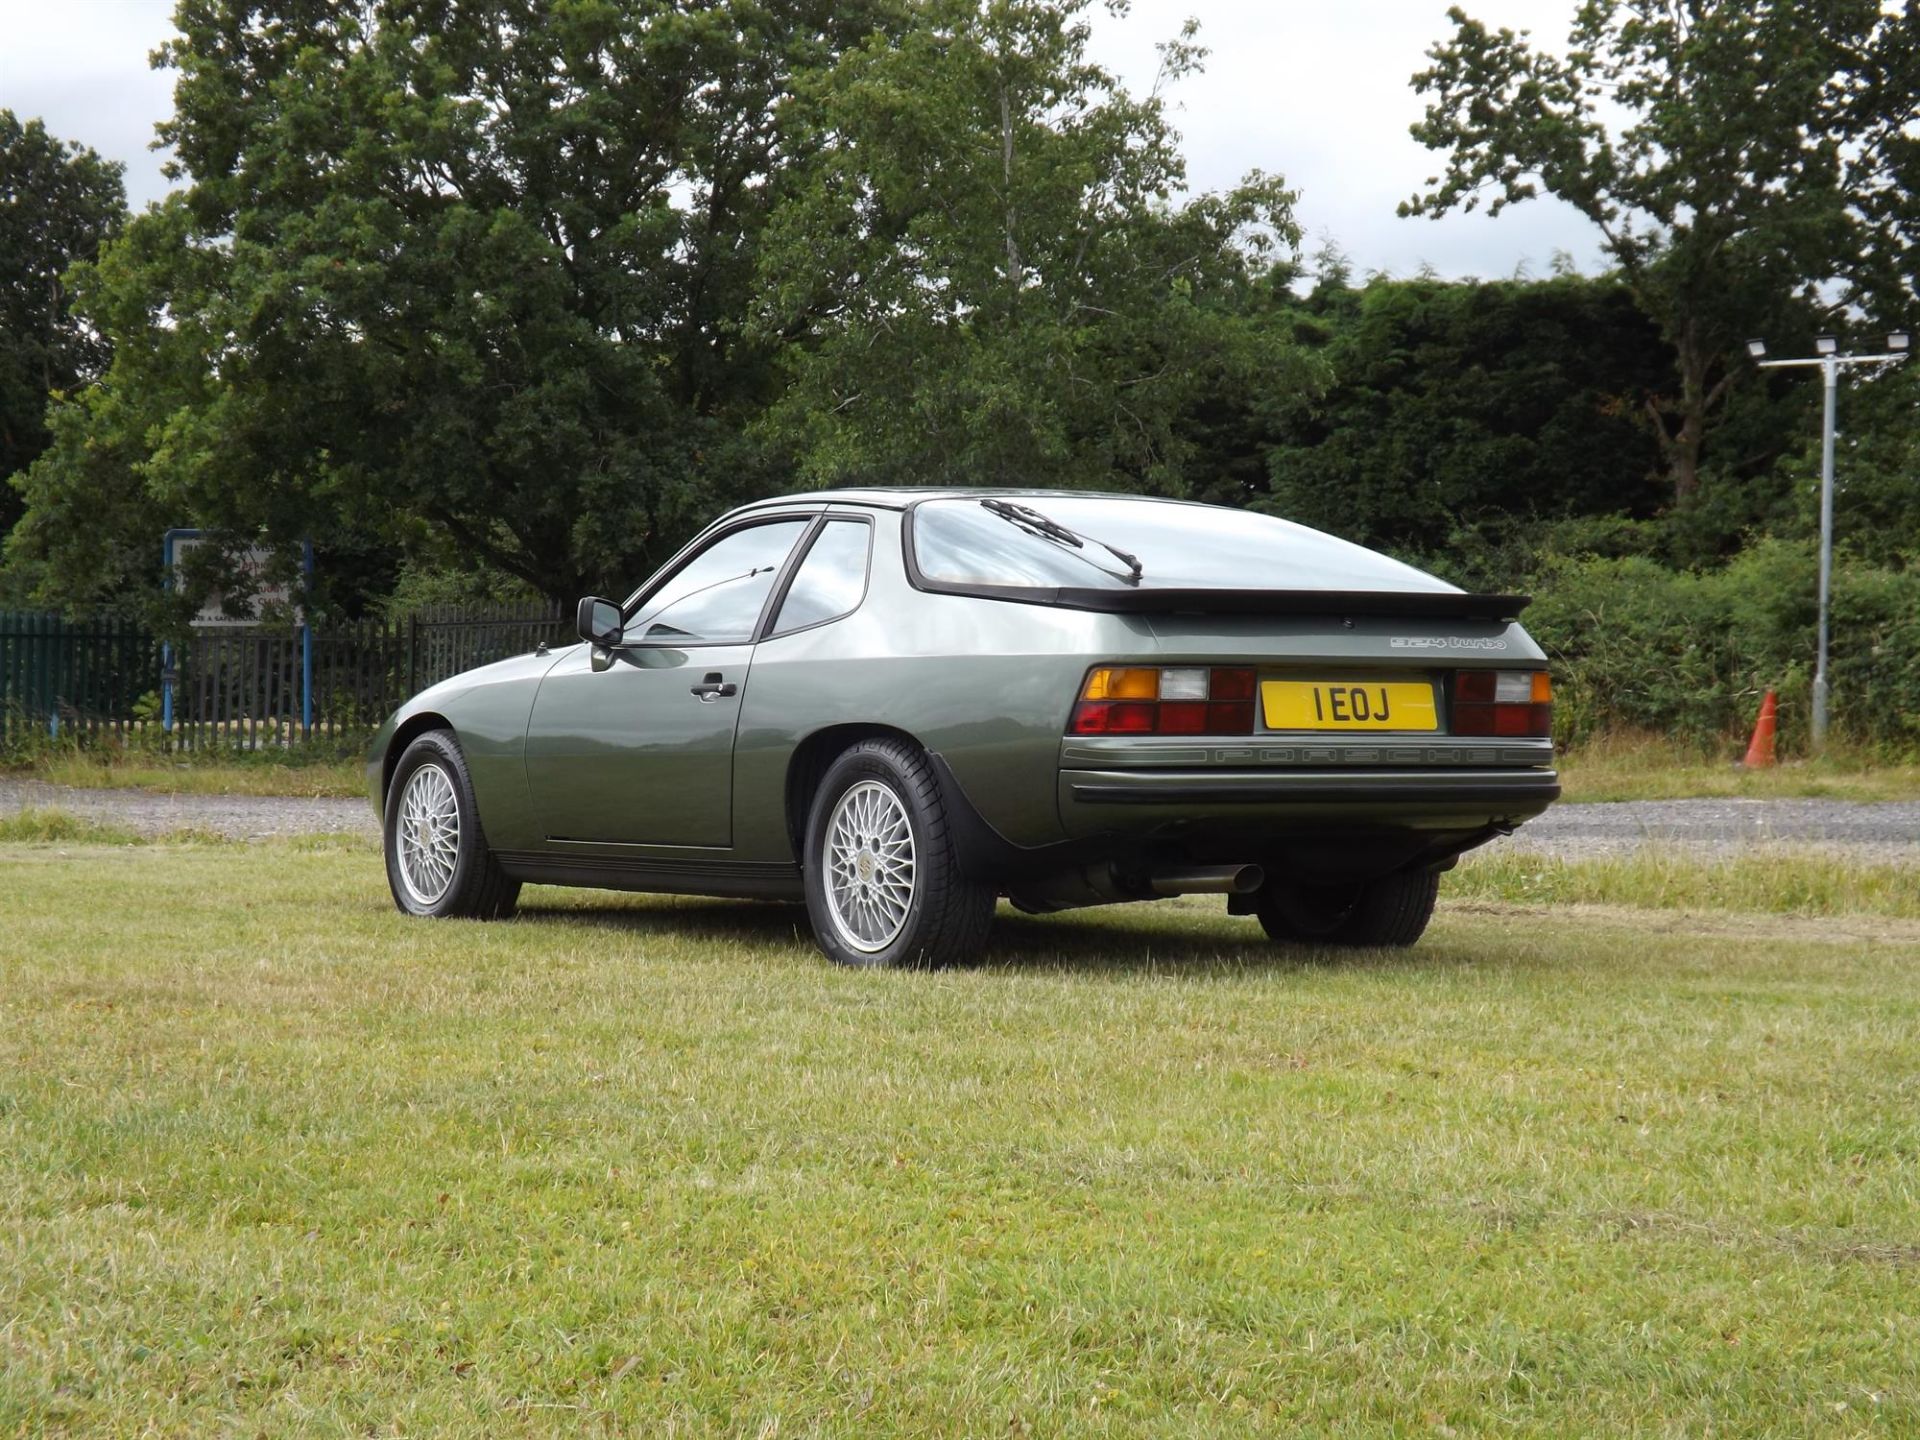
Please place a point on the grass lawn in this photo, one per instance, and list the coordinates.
(199, 776)
(1650, 768)
(1783, 879)
(274, 1160)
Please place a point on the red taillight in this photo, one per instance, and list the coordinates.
(1182, 717)
(1113, 717)
(1231, 685)
(1171, 700)
(1507, 703)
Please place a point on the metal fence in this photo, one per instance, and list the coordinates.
(244, 687)
(60, 677)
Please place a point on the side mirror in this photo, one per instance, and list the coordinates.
(599, 621)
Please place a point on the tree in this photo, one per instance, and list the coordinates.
(1884, 150)
(1876, 513)
(1742, 159)
(1460, 410)
(466, 275)
(58, 203)
(990, 271)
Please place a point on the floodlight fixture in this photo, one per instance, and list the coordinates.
(1757, 349)
(1826, 344)
(1898, 342)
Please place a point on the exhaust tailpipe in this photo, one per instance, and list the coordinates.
(1207, 880)
(1106, 884)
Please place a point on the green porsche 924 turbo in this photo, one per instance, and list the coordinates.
(899, 705)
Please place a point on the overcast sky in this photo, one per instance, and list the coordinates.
(1315, 90)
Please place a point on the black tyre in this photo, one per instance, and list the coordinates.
(1390, 911)
(438, 862)
(884, 882)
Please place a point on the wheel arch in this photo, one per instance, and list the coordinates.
(808, 765)
(409, 730)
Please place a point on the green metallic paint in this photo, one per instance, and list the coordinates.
(620, 750)
(488, 710)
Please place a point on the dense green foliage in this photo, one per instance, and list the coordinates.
(58, 203)
(1688, 654)
(1458, 412)
(493, 281)
(466, 277)
(991, 274)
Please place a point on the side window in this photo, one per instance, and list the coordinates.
(831, 580)
(716, 597)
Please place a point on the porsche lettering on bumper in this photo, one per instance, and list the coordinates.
(1128, 753)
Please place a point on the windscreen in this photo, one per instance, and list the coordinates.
(1179, 546)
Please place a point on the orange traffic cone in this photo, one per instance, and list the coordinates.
(1760, 749)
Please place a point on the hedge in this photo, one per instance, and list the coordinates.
(1638, 647)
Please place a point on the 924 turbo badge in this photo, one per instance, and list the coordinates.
(1444, 642)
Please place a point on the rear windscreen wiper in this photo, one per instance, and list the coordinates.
(1034, 523)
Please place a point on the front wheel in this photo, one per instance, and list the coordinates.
(883, 878)
(1393, 910)
(438, 863)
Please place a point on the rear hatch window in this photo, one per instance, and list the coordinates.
(967, 543)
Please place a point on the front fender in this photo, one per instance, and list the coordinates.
(487, 709)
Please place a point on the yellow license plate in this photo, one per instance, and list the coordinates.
(1348, 705)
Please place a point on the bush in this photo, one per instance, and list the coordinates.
(1636, 646)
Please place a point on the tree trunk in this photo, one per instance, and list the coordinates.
(48, 340)
(1016, 271)
(1681, 448)
(1684, 461)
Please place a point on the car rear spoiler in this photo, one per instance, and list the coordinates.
(1148, 600)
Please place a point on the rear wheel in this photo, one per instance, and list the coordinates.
(438, 863)
(884, 882)
(1393, 910)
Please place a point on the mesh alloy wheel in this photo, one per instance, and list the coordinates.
(869, 866)
(429, 834)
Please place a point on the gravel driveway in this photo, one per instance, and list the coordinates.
(154, 812)
(1888, 831)
(1885, 830)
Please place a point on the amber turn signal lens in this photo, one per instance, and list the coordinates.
(1122, 685)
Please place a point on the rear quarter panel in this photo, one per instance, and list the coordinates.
(985, 684)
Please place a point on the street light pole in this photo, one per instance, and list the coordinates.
(1830, 363)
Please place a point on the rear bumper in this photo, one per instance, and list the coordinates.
(1538, 788)
(1290, 802)
(1333, 825)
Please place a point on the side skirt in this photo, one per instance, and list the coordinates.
(734, 879)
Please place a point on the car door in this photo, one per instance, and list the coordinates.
(633, 744)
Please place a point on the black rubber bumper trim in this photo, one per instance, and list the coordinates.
(1382, 788)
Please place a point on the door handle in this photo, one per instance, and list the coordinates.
(715, 688)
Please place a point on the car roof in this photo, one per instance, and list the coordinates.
(898, 497)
